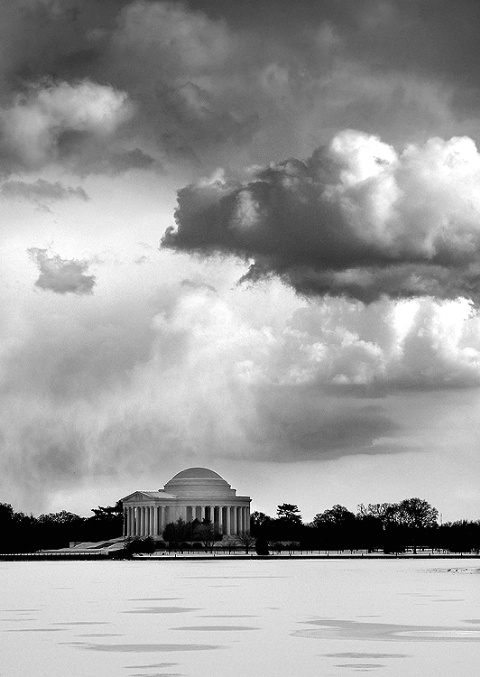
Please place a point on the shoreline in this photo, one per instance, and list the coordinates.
(98, 556)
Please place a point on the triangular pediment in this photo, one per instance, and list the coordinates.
(137, 496)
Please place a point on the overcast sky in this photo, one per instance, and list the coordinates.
(240, 235)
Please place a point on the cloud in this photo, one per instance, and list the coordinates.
(150, 375)
(117, 162)
(41, 191)
(186, 70)
(170, 363)
(390, 346)
(212, 86)
(40, 125)
(62, 276)
(355, 219)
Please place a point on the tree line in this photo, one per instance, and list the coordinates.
(25, 533)
(388, 527)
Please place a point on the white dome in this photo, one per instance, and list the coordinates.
(198, 482)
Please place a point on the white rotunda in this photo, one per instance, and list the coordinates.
(195, 493)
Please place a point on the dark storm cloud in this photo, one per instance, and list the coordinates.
(386, 34)
(209, 78)
(169, 60)
(355, 219)
(41, 191)
(62, 276)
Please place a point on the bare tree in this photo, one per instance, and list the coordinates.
(206, 533)
(246, 540)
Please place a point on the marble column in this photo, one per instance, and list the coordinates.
(160, 520)
(227, 520)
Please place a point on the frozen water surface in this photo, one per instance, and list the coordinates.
(268, 618)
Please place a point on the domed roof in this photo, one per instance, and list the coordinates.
(198, 483)
(197, 473)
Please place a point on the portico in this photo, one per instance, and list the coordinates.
(196, 493)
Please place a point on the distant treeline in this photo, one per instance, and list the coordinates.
(389, 527)
(26, 533)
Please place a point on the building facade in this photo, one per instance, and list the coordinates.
(195, 493)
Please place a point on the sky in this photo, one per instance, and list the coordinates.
(243, 236)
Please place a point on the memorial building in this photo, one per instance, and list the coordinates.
(196, 493)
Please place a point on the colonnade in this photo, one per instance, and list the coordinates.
(150, 520)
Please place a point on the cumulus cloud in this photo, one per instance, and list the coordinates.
(417, 344)
(41, 191)
(40, 125)
(355, 219)
(176, 377)
(146, 377)
(62, 276)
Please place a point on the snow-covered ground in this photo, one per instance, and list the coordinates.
(240, 618)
